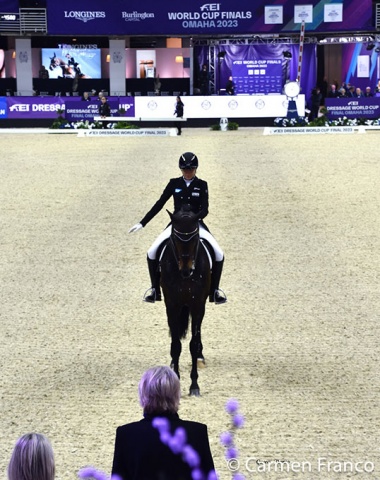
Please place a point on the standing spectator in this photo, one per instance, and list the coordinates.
(315, 101)
(104, 109)
(368, 92)
(324, 89)
(32, 459)
(230, 87)
(178, 112)
(157, 85)
(204, 79)
(140, 453)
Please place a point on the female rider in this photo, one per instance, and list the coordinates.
(186, 190)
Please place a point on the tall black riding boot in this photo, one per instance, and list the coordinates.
(154, 291)
(217, 295)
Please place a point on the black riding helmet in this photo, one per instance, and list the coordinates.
(188, 161)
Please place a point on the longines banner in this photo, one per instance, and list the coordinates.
(149, 17)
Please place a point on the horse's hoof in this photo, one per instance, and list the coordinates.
(195, 392)
(201, 363)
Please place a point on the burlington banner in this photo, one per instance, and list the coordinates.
(149, 17)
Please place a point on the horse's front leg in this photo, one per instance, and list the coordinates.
(196, 349)
(175, 352)
(176, 345)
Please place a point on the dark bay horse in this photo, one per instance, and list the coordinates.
(185, 282)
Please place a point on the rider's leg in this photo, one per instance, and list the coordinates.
(153, 267)
(216, 295)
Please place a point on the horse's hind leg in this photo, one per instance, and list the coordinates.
(201, 362)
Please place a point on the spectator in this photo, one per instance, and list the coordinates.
(342, 93)
(204, 79)
(157, 85)
(140, 453)
(86, 97)
(43, 73)
(32, 459)
(104, 109)
(178, 112)
(351, 91)
(377, 89)
(333, 93)
(230, 87)
(324, 89)
(359, 93)
(368, 92)
(315, 101)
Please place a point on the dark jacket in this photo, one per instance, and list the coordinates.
(179, 109)
(140, 455)
(195, 195)
(104, 110)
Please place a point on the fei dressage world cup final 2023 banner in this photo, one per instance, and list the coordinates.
(149, 17)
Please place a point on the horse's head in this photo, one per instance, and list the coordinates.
(185, 240)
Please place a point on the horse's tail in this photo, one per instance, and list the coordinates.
(184, 321)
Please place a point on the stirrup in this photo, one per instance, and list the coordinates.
(218, 297)
(153, 296)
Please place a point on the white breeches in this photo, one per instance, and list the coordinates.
(203, 233)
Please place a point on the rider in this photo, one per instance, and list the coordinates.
(186, 190)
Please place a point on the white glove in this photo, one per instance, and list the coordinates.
(135, 228)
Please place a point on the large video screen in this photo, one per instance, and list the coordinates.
(72, 62)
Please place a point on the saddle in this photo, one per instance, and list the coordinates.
(205, 244)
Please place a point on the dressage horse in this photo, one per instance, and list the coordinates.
(185, 281)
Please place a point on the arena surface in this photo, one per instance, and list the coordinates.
(297, 344)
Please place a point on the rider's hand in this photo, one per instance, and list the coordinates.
(135, 228)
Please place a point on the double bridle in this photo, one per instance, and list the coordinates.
(184, 237)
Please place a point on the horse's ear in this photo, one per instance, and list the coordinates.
(170, 214)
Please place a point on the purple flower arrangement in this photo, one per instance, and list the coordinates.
(91, 472)
(227, 439)
(178, 445)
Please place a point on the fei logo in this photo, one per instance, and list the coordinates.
(3, 109)
(210, 7)
(353, 103)
(19, 107)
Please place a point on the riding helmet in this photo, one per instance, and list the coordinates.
(188, 161)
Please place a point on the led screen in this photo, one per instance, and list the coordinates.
(72, 62)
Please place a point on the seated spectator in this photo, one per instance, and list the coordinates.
(32, 459)
(43, 73)
(342, 93)
(140, 453)
(351, 91)
(333, 93)
(368, 92)
(377, 88)
(86, 97)
(359, 93)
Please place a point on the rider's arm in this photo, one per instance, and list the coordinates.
(166, 194)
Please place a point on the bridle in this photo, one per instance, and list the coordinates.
(184, 237)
